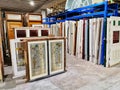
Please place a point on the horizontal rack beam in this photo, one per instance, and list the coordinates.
(94, 10)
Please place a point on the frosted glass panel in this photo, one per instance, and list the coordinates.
(20, 58)
(56, 52)
(37, 59)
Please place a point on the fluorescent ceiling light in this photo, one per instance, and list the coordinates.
(32, 3)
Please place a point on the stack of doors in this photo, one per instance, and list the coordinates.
(84, 38)
(88, 41)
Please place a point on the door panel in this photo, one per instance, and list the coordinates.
(37, 59)
(79, 39)
(113, 41)
(18, 57)
(91, 40)
(56, 56)
(72, 37)
(97, 40)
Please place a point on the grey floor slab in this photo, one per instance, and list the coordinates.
(80, 75)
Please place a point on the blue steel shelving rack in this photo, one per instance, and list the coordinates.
(103, 9)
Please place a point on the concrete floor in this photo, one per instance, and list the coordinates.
(80, 75)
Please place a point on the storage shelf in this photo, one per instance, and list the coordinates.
(103, 9)
(94, 10)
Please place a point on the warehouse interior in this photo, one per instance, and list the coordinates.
(59, 44)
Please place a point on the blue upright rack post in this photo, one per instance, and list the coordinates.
(103, 45)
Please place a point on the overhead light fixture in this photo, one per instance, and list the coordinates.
(32, 3)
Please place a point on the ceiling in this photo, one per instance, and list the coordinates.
(24, 6)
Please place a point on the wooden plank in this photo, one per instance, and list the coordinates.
(1, 50)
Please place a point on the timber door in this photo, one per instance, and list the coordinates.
(11, 26)
(113, 41)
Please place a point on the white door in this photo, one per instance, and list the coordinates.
(72, 37)
(79, 39)
(91, 39)
(113, 41)
(18, 58)
(67, 35)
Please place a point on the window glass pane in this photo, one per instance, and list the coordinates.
(115, 36)
(20, 57)
(118, 23)
(56, 55)
(44, 32)
(21, 33)
(38, 58)
(113, 23)
(33, 33)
